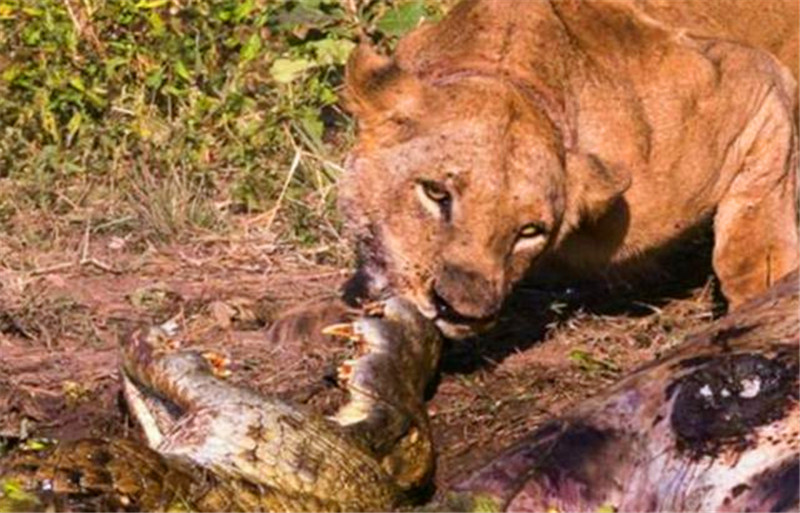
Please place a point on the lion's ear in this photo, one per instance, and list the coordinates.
(592, 187)
(375, 86)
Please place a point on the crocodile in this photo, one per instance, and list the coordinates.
(213, 446)
(712, 426)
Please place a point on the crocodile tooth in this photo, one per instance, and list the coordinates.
(345, 371)
(344, 329)
(219, 363)
(362, 345)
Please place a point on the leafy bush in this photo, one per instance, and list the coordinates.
(231, 104)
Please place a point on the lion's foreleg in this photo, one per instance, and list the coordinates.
(756, 238)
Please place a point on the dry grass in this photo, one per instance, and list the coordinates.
(172, 206)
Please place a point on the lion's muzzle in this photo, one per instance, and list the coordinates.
(465, 298)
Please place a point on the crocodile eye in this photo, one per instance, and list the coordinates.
(531, 230)
(436, 192)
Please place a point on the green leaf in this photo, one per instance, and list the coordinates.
(49, 123)
(113, 63)
(77, 83)
(332, 51)
(95, 97)
(155, 79)
(243, 10)
(174, 91)
(327, 95)
(250, 48)
(401, 19)
(36, 444)
(151, 4)
(11, 73)
(15, 491)
(32, 11)
(156, 23)
(182, 71)
(74, 124)
(286, 70)
(31, 35)
(312, 126)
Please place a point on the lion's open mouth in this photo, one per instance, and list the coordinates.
(447, 313)
(454, 331)
(456, 325)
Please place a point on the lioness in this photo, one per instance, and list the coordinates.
(585, 134)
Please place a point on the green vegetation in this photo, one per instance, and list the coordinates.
(166, 117)
(13, 497)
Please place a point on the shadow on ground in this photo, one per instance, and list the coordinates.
(537, 304)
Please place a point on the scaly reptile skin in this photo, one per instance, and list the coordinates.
(713, 426)
(214, 446)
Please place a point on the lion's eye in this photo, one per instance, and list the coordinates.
(436, 192)
(531, 230)
(435, 199)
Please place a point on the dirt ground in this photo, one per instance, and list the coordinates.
(60, 319)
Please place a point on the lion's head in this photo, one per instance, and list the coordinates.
(456, 186)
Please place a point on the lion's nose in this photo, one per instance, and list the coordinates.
(464, 296)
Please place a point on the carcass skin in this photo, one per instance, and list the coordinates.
(714, 426)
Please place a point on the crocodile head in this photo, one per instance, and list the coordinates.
(380, 439)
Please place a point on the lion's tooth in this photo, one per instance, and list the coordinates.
(374, 309)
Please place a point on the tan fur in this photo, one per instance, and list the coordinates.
(617, 125)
